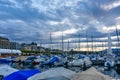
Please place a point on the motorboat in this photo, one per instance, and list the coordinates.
(81, 62)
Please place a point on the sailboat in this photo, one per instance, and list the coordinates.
(118, 58)
(110, 62)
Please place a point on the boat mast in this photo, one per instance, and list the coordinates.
(102, 47)
(87, 43)
(68, 46)
(79, 41)
(51, 47)
(40, 45)
(95, 46)
(109, 45)
(92, 43)
(62, 43)
(117, 33)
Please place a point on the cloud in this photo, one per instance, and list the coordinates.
(52, 4)
(64, 33)
(112, 5)
(33, 20)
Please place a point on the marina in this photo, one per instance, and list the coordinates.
(63, 66)
(59, 39)
(77, 63)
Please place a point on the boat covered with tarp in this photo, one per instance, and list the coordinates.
(90, 74)
(6, 70)
(21, 75)
(59, 73)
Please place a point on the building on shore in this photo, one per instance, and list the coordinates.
(15, 45)
(29, 47)
(4, 43)
(41, 49)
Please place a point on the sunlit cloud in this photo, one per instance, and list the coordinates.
(109, 29)
(64, 33)
(53, 22)
(112, 5)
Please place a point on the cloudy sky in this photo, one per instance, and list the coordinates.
(34, 20)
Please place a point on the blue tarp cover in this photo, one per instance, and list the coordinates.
(81, 56)
(5, 60)
(54, 59)
(21, 75)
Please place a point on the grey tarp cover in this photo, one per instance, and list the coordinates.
(6, 70)
(52, 73)
(90, 74)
